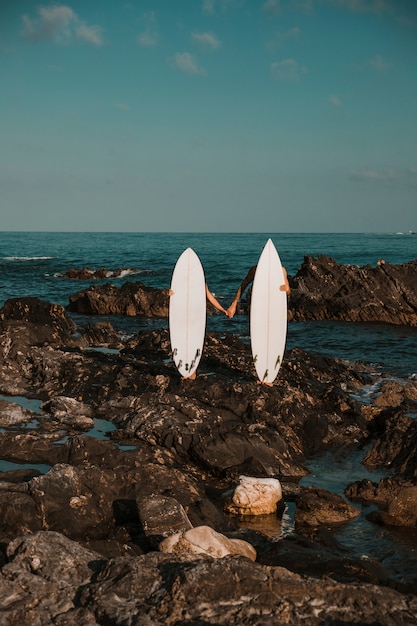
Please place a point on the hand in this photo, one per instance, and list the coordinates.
(231, 310)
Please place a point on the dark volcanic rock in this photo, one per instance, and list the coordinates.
(366, 491)
(29, 324)
(52, 580)
(394, 392)
(401, 510)
(35, 322)
(86, 273)
(319, 553)
(395, 446)
(320, 508)
(69, 412)
(323, 289)
(130, 299)
(101, 334)
(161, 516)
(397, 498)
(40, 582)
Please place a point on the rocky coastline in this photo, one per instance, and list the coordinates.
(322, 289)
(137, 527)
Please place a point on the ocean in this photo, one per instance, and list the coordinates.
(32, 264)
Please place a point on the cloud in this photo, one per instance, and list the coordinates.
(281, 38)
(403, 11)
(369, 175)
(362, 6)
(53, 23)
(304, 6)
(122, 107)
(208, 6)
(186, 62)
(61, 24)
(206, 40)
(148, 38)
(379, 64)
(271, 8)
(406, 177)
(287, 71)
(90, 34)
(335, 101)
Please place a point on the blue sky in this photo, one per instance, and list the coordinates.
(208, 115)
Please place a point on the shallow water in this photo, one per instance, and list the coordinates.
(396, 549)
(27, 403)
(7, 466)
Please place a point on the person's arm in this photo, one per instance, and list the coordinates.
(209, 297)
(213, 301)
(240, 290)
(286, 286)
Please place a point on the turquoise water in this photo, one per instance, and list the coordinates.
(32, 264)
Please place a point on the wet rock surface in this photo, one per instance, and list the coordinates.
(81, 536)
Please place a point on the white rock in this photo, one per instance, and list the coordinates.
(255, 496)
(206, 541)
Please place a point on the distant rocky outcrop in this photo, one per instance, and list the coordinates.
(86, 273)
(323, 289)
(132, 298)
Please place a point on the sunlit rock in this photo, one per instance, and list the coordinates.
(254, 496)
(12, 413)
(206, 541)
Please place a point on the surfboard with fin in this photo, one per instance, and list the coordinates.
(268, 315)
(187, 313)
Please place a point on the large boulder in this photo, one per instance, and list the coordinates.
(324, 289)
(34, 322)
(132, 298)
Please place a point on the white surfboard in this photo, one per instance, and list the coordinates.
(187, 312)
(268, 315)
